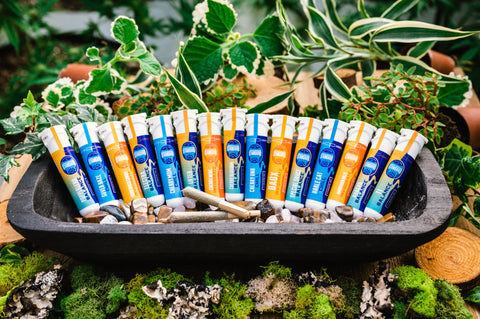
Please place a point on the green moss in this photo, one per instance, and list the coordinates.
(233, 302)
(148, 307)
(424, 304)
(353, 293)
(400, 310)
(296, 314)
(322, 308)
(450, 304)
(409, 277)
(305, 297)
(94, 296)
(278, 270)
(12, 275)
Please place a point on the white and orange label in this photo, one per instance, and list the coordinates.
(277, 177)
(212, 161)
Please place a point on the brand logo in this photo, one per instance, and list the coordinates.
(189, 150)
(121, 159)
(351, 157)
(94, 161)
(279, 154)
(370, 166)
(303, 157)
(69, 165)
(326, 158)
(255, 153)
(167, 154)
(233, 149)
(395, 169)
(210, 153)
(140, 154)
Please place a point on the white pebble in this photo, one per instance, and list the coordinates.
(272, 220)
(286, 215)
(295, 219)
(189, 202)
(125, 222)
(109, 219)
(180, 208)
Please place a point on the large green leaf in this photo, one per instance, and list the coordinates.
(416, 31)
(319, 26)
(268, 36)
(149, 64)
(398, 8)
(124, 30)
(332, 14)
(33, 145)
(362, 27)
(362, 10)
(244, 55)
(13, 125)
(187, 97)
(12, 35)
(204, 58)
(186, 75)
(420, 49)
(259, 108)
(101, 81)
(6, 163)
(457, 163)
(220, 17)
(335, 86)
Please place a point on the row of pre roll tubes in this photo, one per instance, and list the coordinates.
(330, 165)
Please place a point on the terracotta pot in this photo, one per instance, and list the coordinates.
(471, 115)
(76, 71)
(440, 62)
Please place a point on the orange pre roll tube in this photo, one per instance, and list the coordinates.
(209, 126)
(283, 128)
(359, 137)
(111, 134)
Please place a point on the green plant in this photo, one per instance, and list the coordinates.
(474, 295)
(363, 43)
(462, 171)
(213, 48)
(413, 104)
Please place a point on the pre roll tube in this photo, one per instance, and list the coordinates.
(283, 128)
(56, 140)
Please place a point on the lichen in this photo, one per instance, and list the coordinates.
(271, 293)
(94, 296)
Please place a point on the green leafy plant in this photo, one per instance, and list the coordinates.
(363, 43)
(474, 295)
(398, 99)
(462, 170)
(213, 48)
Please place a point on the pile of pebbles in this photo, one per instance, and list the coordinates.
(140, 212)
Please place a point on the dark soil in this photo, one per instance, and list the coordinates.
(455, 127)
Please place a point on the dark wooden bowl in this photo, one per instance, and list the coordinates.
(42, 211)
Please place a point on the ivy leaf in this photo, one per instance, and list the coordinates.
(87, 114)
(53, 98)
(220, 17)
(124, 30)
(30, 100)
(149, 64)
(84, 98)
(54, 119)
(6, 163)
(13, 125)
(204, 58)
(452, 157)
(93, 53)
(33, 145)
(244, 54)
(474, 295)
(101, 81)
(267, 35)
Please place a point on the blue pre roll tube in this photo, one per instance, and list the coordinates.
(256, 156)
(334, 135)
(85, 134)
(162, 132)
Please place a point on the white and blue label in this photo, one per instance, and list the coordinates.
(367, 180)
(255, 167)
(235, 164)
(98, 172)
(147, 167)
(301, 172)
(169, 167)
(389, 183)
(324, 172)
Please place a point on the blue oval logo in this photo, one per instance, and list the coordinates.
(233, 149)
(140, 154)
(327, 157)
(303, 157)
(370, 166)
(69, 165)
(94, 161)
(395, 169)
(255, 153)
(189, 151)
(167, 154)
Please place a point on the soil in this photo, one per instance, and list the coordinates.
(453, 127)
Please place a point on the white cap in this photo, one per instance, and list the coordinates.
(216, 125)
(405, 136)
(79, 134)
(304, 122)
(387, 143)
(341, 132)
(179, 123)
(277, 126)
(138, 123)
(227, 119)
(367, 132)
(106, 134)
(49, 140)
(263, 127)
(157, 129)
